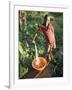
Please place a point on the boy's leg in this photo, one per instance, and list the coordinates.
(49, 53)
(52, 56)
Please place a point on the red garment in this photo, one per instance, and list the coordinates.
(49, 33)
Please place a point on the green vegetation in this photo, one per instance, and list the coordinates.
(29, 22)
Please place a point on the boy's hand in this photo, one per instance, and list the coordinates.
(54, 45)
(33, 41)
(34, 38)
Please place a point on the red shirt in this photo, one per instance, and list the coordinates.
(48, 33)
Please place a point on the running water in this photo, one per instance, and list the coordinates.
(36, 57)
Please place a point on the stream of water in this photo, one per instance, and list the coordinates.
(36, 55)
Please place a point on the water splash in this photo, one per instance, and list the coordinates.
(36, 55)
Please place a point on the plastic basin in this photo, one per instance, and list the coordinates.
(41, 65)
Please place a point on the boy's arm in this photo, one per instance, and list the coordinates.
(52, 28)
(34, 38)
(36, 34)
(54, 44)
(54, 35)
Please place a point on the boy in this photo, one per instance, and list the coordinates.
(48, 32)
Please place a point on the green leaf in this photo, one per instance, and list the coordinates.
(21, 49)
